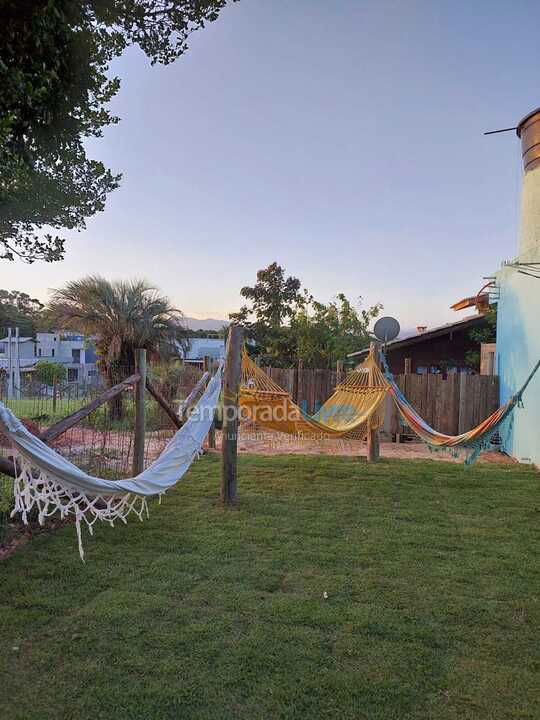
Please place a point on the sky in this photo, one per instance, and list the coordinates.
(341, 139)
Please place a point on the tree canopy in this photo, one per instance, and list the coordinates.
(18, 309)
(121, 316)
(287, 326)
(54, 92)
(50, 373)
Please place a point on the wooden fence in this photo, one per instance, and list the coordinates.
(452, 405)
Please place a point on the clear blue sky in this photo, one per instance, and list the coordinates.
(341, 138)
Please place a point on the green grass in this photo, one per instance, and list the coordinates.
(41, 409)
(203, 613)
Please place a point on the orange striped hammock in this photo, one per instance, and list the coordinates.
(478, 439)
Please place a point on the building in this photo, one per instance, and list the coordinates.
(439, 349)
(199, 348)
(516, 286)
(69, 349)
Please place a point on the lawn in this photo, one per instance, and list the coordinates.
(432, 610)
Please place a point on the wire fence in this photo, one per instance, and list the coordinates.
(101, 444)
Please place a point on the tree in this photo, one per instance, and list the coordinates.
(288, 326)
(18, 309)
(54, 91)
(273, 301)
(486, 334)
(121, 316)
(330, 332)
(49, 373)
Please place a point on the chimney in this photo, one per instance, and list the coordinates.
(528, 130)
(421, 329)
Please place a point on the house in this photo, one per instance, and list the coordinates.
(517, 291)
(69, 349)
(437, 349)
(199, 348)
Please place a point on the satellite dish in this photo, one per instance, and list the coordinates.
(386, 329)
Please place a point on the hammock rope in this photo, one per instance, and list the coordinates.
(355, 406)
(475, 440)
(48, 482)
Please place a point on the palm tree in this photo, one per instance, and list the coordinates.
(121, 316)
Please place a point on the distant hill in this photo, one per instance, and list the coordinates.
(206, 324)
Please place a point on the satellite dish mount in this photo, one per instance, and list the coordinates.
(386, 329)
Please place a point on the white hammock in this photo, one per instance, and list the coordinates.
(46, 480)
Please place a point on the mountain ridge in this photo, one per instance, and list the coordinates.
(204, 324)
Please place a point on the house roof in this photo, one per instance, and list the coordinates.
(472, 301)
(14, 339)
(465, 324)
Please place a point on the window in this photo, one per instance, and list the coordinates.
(3, 348)
(39, 352)
(52, 352)
(75, 356)
(72, 374)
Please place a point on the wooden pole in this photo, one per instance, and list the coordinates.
(54, 393)
(158, 397)
(54, 431)
(140, 420)
(231, 390)
(187, 405)
(212, 367)
(373, 445)
(211, 439)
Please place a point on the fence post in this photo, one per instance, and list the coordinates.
(373, 447)
(140, 420)
(208, 367)
(231, 390)
(54, 394)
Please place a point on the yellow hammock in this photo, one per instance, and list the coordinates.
(356, 405)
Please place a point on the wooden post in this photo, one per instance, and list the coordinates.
(140, 420)
(211, 440)
(373, 446)
(54, 394)
(231, 389)
(212, 432)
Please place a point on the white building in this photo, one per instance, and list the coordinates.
(68, 349)
(199, 348)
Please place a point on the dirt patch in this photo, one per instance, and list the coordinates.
(254, 440)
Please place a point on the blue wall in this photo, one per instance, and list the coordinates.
(518, 349)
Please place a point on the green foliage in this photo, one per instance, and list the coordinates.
(17, 309)
(6, 504)
(288, 326)
(273, 299)
(55, 86)
(331, 331)
(215, 334)
(203, 613)
(49, 372)
(486, 334)
(122, 316)
(169, 376)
